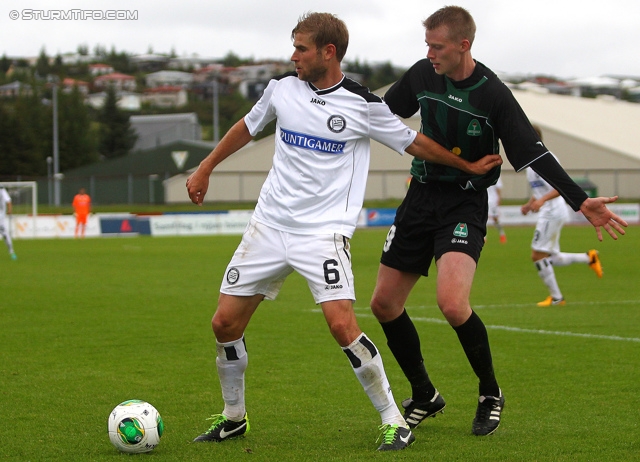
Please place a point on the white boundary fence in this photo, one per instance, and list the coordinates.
(231, 222)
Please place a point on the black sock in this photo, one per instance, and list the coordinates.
(404, 343)
(475, 342)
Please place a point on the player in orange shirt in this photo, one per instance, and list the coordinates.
(82, 207)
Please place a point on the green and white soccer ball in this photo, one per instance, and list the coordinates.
(135, 426)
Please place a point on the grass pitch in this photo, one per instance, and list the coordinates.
(86, 324)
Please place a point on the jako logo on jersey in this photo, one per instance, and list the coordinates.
(461, 230)
(455, 98)
(333, 286)
(233, 275)
(311, 142)
(474, 128)
(336, 123)
(317, 101)
(458, 241)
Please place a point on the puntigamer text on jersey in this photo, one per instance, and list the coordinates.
(311, 142)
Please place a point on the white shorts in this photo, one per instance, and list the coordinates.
(546, 237)
(266, 256)
(494, 210)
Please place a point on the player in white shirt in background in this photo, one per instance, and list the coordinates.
(5, 213)
(553, 213)
(494, 194)
(306, 213)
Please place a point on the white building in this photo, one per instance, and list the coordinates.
(593, 138)
(169, 78)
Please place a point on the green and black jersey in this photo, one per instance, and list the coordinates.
(468, 118)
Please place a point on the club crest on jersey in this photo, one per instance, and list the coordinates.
(461, 230)
(336, 123)
(474, 128)
(233, 275)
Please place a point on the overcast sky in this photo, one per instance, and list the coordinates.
(563, 38)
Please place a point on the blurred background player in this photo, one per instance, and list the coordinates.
(82, 208)
(545, 246)
(494, 194)
(5, 212)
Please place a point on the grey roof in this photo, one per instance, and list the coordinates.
(171, 74)
(16, 85)
(163, 118)
(156, 130)
(159, 161)
(610, 124)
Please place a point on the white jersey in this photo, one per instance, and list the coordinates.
(317, 182)
(4, 200)
(554, 209)
(493, 195)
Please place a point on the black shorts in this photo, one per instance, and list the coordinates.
(433, 219)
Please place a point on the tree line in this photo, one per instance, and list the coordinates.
(84, 136)
(87, 135)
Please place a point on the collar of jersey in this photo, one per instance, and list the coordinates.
(327, 90)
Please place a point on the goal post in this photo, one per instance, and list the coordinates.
(24, 200)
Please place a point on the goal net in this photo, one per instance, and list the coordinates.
(24, 206)
(24, 199)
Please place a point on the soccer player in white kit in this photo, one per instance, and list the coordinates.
(494, 197)
(307, 211)
(545, 246)
(5, 212)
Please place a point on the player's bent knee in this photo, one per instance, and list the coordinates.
(226, 327)
(344, 332)
(454, 314)
(384, 311)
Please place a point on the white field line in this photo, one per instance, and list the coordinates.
(365, 312)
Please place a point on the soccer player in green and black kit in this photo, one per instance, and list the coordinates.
(467, 109)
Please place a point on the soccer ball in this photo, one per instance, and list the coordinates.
(135, 426)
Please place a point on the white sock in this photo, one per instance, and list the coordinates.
(548, 276)
(232, 362)
(564, 259)
(367, 365)
(7, 241)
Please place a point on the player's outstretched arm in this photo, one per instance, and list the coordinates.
(198, 182)
(595, 210)
(425, 148)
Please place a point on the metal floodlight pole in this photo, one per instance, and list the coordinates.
(216, 124)
(56, 160)
(49, 180)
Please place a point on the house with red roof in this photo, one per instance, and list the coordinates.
(120, 82)
(165, 96)
(100, 69)
(68, 84)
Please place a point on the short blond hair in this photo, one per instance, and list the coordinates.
(324, 29)
(458, 20)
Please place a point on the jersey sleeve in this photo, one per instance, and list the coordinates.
(387, 129)
(550, 170)
(263, 111)
(520, 141)
(524, 148)
(400, 97)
